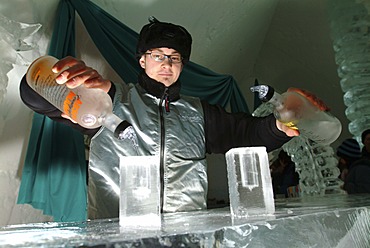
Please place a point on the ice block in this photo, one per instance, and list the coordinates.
(140, 192)
(249, 179)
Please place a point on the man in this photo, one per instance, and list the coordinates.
(283, 174)
(358, 178)
(179, 129)
(355, 170)
(348, 152)
(365, 139)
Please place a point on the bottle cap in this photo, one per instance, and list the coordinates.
(120, 130)
(265, 92)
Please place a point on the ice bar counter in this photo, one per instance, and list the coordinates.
(338, 220)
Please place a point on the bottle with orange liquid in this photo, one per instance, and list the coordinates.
(89, 107)
(297, 112)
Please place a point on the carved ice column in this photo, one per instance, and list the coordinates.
(314, 162)
(350, 30)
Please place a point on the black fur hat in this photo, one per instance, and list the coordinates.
(349, 149)
(157, 34)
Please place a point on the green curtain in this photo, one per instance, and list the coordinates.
(54, 174)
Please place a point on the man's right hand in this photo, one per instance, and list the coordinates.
(74, 72)
(288, 131)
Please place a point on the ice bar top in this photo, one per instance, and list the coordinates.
(336, 212)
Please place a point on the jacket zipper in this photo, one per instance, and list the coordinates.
(162, 145)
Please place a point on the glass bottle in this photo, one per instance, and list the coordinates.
(297, 112)
(89, 107)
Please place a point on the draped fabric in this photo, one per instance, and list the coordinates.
(215, 88)
(54, 175)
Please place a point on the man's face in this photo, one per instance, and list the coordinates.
(164, 72)
(342, 163)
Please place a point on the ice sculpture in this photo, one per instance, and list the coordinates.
(13, 37)
(315, 162)
(250, 186)
(140, 192)
(316, 166)
(350, 30)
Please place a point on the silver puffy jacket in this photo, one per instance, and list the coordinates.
(176, 136)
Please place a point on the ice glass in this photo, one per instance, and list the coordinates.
(249, 180)
(140, 192)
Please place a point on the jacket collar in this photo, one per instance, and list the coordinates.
(157, 89)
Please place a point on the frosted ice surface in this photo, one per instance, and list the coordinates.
(330, 221)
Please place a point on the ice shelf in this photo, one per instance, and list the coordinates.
(317, 221)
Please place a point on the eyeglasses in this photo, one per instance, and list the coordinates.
(160, 57)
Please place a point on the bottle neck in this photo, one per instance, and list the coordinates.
(277, 100)
(115, 124)
(123, 130)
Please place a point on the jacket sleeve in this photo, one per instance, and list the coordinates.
(38, 104)
(224, 130)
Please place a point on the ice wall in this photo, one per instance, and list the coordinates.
(17, 42)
